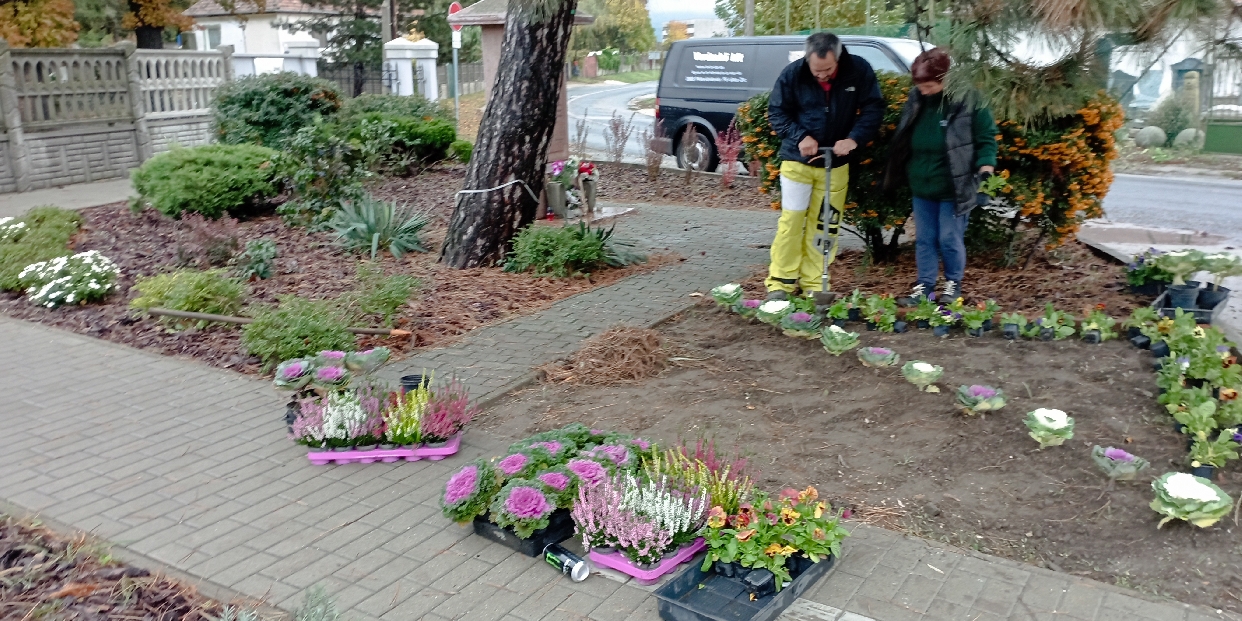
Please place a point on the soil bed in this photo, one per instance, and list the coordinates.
(909, 461)
(48, 576)
(449, 303)
(627, 183)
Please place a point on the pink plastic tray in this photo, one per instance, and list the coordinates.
(617, 561)
(320, 458)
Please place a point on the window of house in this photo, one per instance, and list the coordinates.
(213, 37)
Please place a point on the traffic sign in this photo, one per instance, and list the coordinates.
(453, 8)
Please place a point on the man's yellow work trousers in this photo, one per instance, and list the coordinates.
(796, 260)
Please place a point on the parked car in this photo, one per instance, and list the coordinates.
(704, 80)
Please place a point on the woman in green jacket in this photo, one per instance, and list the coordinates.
(943, 148)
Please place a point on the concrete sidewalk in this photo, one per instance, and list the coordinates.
(76, 196)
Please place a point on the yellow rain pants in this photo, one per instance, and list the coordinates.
(796, 261)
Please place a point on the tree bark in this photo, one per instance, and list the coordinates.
(513, 136)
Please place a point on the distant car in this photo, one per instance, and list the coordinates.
(704, 80)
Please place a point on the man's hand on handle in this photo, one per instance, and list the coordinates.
(843, 147)
(808, 147)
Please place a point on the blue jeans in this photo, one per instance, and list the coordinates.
(939, 236)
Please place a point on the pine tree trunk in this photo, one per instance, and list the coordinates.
(513, 136)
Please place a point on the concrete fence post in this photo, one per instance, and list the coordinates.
(19, 159)
(402, 54)
(229, 73)
(133, 78)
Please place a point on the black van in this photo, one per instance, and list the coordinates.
(704, 80)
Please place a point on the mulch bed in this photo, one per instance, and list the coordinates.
(449, 304)
(910, 461)
(47, 576)
(626, 183)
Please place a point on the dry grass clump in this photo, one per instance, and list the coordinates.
(618, 356)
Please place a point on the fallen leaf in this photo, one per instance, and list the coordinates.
(75, 589)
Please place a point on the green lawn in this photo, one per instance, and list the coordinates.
(631, 77)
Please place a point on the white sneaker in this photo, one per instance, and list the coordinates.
(951, 290)
(916, 294)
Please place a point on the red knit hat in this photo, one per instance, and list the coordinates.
(930, 66)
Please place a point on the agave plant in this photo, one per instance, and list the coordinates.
(373, 224)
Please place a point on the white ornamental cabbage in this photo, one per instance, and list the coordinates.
(773, 311)
(1049, 427)
(836, 329)
(1182, 496)
(1185, 486)
(1052, 419)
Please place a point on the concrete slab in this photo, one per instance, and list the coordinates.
(76, 196)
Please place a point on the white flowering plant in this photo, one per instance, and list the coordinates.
(773, 311)
(727, 295)
(1184, 496)
(922, 374)
(78, 279)
(836, 340)
(1049, 427)
(11, 229)
(681, 514)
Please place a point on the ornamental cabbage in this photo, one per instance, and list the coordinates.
(800, 324)
(979, 399)
(922, 374)
(878, 357)
(1183, 496)
(837, 341)
(1117, 464)
(1049, 427)
(727, 295)
(773, 311)
(1181, 264)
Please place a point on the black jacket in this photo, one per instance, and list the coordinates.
(959, 142)
(854, 108)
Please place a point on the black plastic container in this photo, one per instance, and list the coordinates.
(1140, 341)
(1133, 332)
(855, 314)
(1160, 350)
(923, 324)
(1202, 315)
(1047, 334)
(560, 527)
(941, 331)
(840, 323)
(1091, 336)
(975, 331)
(871, 327)
(1207, 472)
(1209, 298)
(1010, 331)
(410, 382)
(987, 325)
(694, 595)
(1152, 289)
(900, 326)
(1185, 297)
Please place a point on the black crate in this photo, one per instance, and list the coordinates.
(560, 527)
(695, 595)
(1202, 315)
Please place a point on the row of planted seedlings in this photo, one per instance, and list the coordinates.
(644, 511)
(798, 317)
(342, 413)
(1165, 276)
(1198, 374)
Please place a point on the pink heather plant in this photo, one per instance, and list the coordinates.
(601, 522)
(594, 510)
(522, 506)
(587, 471)
(469, 491)
(308, 426)
(448, 411)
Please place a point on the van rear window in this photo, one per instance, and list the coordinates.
(716, 66)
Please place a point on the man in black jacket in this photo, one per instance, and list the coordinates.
(829, 98)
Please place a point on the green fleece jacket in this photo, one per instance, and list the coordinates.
(928, 168)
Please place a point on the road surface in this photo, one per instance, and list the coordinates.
(1214, 206)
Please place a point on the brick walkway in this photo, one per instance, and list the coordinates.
(188, 465)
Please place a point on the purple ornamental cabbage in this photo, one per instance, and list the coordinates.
(1116, 463)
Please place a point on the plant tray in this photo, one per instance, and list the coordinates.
(1202, 315)
(618, 561)
(560, 527)
(695, 595)
(320, 458)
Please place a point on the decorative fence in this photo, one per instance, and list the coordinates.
(73, 116)
(471, 80)
(1225, 102)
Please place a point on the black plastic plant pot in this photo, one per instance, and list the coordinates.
(1157, 365)
(871, 327)
(1152, 289)
(855, 314)
(560, 527)
(1195, 382)
(922, 324)
(411, 382)
(1010, 331)
(1160, 350)
(1207, 472)
(1184, 296)
(291, 414)
(1091, 336)
(760, 583)
(1047, 334)
(840, 323)
(695, 595)
(1140, 341)
(987, 325)
(1133, 332)
(1210, 297)
(941, 331)
(723, 568)
(798, 564)
(975, 331)
(900, 326)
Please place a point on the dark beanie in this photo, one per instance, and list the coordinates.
(930, 66)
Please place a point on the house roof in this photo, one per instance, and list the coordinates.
(212, 8)
(492, 12)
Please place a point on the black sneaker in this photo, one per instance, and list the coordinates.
(917, 293)
(777, 295)
(951, 290)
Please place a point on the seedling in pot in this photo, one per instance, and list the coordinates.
(1054, 325)
(974, 318)
(1222, 266)
(855, 303)
(1205, 453)
(1012, 325)
(840, 310)
(1097, 326)
(922, 313)
(1181, 264)
(1144, 275)
(881, 311)
(944, 319)
(1141, 318)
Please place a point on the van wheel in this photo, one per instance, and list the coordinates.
(699, 156)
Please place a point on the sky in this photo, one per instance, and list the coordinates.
(662, 11)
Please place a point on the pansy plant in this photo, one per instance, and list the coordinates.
(1184, 496)
(922, 374)
(1049, 427)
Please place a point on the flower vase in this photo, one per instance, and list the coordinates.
(557, 202)
(588, 195)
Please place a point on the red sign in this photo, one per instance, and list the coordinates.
(453, 8)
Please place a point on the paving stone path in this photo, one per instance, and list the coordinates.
(188, 466)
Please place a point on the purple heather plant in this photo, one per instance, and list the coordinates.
(447, 412)
(469, 491)
(523, 506)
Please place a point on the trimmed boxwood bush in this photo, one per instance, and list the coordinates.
(297, 327)
(46, 236)
(211, 179)
(268, 109)
(461, 150)
(393, 105)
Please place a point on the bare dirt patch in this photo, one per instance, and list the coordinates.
(909, 461)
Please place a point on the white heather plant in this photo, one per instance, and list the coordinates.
(683, 515)
(84, 277)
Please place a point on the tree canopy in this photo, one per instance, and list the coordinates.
(807, 14)
(38, 23)
(623, 25)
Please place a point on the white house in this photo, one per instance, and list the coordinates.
(700, 28)
(250, 29)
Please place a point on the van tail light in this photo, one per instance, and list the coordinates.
(657, 108)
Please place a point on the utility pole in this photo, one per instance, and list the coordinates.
(787, 31)
(750, 18)
(818, 10)
(386, 22)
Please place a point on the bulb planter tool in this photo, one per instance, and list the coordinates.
(827, 240)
